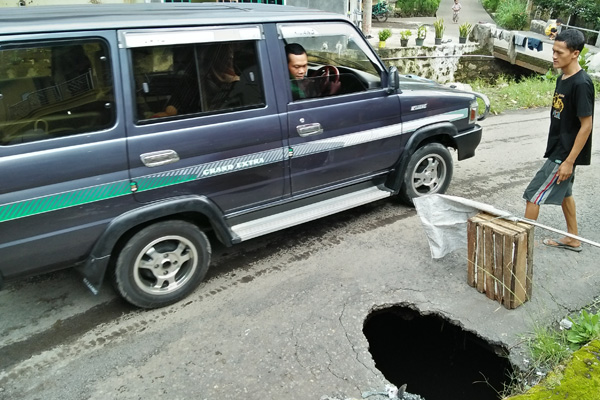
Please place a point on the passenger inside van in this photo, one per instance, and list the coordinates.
(221, 75)
(190, 79)
(184, 91)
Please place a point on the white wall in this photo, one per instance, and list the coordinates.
(594, 65)
(31, 3)
(336, 6)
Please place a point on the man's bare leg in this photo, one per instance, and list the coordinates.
(568, 207)
(532, 211)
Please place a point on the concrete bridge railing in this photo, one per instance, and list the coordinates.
(482, 57)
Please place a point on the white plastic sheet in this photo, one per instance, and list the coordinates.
(444, 220)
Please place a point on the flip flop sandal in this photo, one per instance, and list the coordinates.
(559, 245)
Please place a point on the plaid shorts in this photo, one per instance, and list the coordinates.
(543, 188)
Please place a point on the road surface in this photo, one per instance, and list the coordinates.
(282, 316)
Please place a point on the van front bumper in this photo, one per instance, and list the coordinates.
(467, 141)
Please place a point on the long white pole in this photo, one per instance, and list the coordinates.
(549, 228)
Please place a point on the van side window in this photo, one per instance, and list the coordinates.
(339, 61)
(54, 90)
(189, 79)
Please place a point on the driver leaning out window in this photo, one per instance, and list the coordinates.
(325, 82)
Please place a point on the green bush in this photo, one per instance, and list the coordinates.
(417, 8)
(464, 29)
(512, 14)
(490, 5)
(384, 34)
(438, 25)
(584, 59)
(585, 328)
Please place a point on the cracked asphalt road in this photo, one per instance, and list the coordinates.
(281, 316)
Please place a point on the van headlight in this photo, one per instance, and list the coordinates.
(473, 111)
(486, 110)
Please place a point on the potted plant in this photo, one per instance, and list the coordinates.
(384, 35)
(404, 37)
(421, 34)
(439, 30)
(464, 30)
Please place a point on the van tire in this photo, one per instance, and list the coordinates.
(429, 171)
(161, 264)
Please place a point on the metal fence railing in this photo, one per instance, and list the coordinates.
(586, 30)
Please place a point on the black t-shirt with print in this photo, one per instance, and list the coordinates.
(573, 98)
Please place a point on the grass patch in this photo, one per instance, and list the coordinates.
(506, 93)
(512, 14)
(548, 347)
(550, 353)
(578, 379)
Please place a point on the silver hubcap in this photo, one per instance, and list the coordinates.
(429, 174)
(165, 265)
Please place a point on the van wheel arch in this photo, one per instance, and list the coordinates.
(196, 210)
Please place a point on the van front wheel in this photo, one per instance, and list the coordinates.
(429, 171)
(161, 264)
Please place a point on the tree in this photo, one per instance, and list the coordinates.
(588, 11)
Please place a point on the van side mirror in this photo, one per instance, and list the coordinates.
(393, 80)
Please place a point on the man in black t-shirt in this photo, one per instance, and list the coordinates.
(569, 140)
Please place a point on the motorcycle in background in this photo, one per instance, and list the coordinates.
(380, 11)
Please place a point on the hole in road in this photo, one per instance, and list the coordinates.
(435, 358)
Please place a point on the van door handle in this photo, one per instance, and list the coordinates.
(158, 158)
(309, 129)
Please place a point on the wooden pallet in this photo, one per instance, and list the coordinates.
(500, 259)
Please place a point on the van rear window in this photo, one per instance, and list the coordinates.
(54, 90)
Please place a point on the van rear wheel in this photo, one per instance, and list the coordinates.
(161, 264)
(429, 171)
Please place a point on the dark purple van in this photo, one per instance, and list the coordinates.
(129, 131)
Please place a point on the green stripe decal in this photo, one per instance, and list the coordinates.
(63, 200)
(155, 182)
(78, 197)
